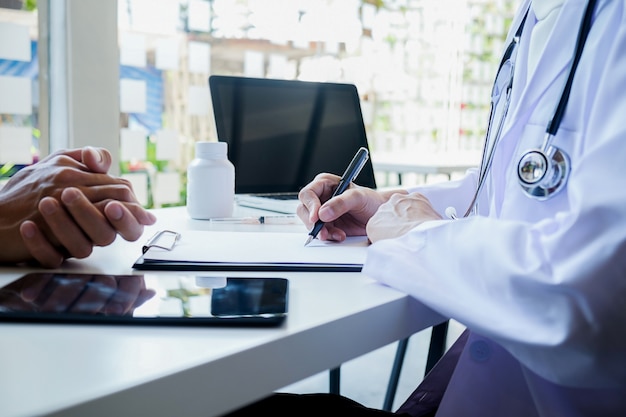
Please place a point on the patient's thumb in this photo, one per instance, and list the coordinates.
(96, 159)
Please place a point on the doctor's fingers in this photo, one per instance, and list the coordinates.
(398, 215)
(414, 208)
(359, 202)
(314, 194)
(305, 215)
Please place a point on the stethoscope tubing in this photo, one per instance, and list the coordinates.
(555, 121)
(583, 33)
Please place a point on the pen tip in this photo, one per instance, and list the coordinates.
(308, 240)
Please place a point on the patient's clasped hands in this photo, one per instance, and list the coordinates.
(64, 205)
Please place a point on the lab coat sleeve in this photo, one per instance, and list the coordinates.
(553, 291)
(457, 194)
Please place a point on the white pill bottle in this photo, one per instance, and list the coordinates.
(210, 182)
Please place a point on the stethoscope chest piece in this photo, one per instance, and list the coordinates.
(543, 173)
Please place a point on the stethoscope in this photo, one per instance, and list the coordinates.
(541, 172)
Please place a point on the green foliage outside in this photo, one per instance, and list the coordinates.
(150, 167)
(30, 5)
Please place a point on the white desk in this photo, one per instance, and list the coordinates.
(78, 370)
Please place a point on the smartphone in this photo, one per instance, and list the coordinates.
(148, 299)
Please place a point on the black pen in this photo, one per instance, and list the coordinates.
(348, 176)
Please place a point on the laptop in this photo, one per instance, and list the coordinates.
(282, 133)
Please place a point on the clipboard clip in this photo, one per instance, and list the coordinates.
(164, 239)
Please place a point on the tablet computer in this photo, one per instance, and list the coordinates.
(145, 299)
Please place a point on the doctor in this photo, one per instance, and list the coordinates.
(534, 262)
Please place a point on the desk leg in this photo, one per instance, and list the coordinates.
(334, 380)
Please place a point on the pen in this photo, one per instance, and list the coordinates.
(348, 176)
(257, 220)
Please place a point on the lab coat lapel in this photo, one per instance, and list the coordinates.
(529, 88)
(553, 62)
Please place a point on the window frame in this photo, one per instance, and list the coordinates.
(79, 89)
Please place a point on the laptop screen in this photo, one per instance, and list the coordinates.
(282, 133)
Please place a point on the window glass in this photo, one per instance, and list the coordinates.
(19, 87)
(423, 69)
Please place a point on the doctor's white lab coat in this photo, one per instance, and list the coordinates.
(540, 284)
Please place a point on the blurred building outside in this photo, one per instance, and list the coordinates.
(423, 69)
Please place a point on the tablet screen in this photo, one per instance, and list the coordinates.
(145, 299)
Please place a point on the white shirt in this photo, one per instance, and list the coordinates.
(546, 13)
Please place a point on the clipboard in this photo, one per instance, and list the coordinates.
(168, 250)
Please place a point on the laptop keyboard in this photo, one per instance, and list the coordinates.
(277, 196)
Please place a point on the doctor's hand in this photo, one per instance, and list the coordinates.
(344, 215)
(64, 205)
(400, 214)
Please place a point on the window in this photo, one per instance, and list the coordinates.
(19, 86)
(423, 69)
